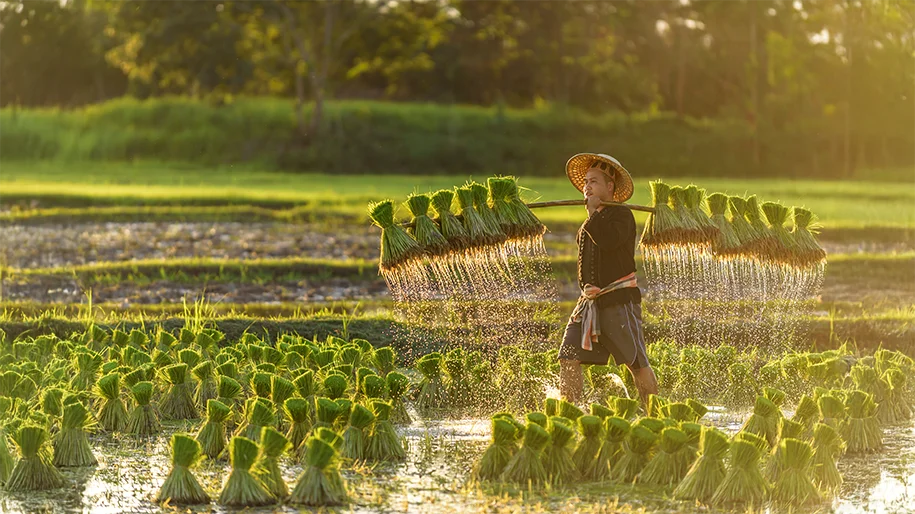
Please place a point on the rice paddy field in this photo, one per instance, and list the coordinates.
(261, 291)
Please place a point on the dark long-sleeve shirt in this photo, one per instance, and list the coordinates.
(606, 253)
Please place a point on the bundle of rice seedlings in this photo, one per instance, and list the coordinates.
(281, 389)
(87, 364)
(694, 200)
(745, 232)
(807, 249)
(431, 389)
(112, 415)
(397, 247)
(806, 413)
(896, 395)
(33, 471)
(320, 483)
(526, 466)
(335, 386)
(143, 420)
(241, 488)
(474, 225)
(266, 468)
(177, 402)
(297, 411)
(654, 424)
(212, 435)
(667, 467)
(7, 462)
(766, 244)
(557, 457)
(794, 485)
(423, 229)
(71, 445)
(832, 410)
(827, 447)
(689, 231)
(206, 388)
(181, 486)
(384, 360)
(305, 384)
(776, 462)
(326, 413)
(528, 223)
(354, 437)
(344, 406)
(397, 385)
(655, 405)
(615, 431)
(228, 391)
(491, 227)
(499, 190)
(589, 445)
(637, 450)
(679, 412)
(51, 401)
(662, 225)
(259, 413)
(539, 418)
(382, 443)
(706, 474)
(551, 406)
(448, 223)
(777, 216)
(261, 382)
(626, 408)
(743, 482)
(600, 411)
(500, 450)
(698, 407)
(763, 421)
(861, 431)
(373, 387)
(569, 410)
(727, 242)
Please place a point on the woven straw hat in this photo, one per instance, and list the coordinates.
(579, 165)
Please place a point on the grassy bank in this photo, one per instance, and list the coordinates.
(408, 138)
(106, 191)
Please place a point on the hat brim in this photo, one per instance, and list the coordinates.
(579, 165)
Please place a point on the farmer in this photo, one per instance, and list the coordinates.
(607, 321)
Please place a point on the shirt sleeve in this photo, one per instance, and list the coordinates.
(611, 230)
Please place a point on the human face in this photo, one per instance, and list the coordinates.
(597, 183)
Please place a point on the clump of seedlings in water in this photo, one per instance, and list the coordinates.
(177, 402)
(432, 392)
(667, 467)
(356, 433)
(71, 444)
(259, 414)
(383, 443)
(501, 449)
(743, 482)
(33, 471)
(181, 486)
(296, 411)
(143, 420)
(589, 446)
(707, 473)
(763, 422)
(266, 468)
(861, 431)
(320, 483)
(112, 415)
(241, 488)
(212, 435)
(827, 447)
(398, 385)
(557, 458)
(635, 455)
(794, 485)
(615, 430)
(526, 466)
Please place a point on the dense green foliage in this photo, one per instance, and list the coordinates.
(814, 87)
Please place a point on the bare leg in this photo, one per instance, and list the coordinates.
(571, 381)
(645, 381)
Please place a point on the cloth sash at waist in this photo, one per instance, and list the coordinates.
(586, 310)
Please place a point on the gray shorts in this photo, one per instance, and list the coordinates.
(621, 337)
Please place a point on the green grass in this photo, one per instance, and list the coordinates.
(848, 204)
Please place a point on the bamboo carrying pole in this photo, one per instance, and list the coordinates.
(567, 203)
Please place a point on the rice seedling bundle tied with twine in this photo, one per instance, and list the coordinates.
(181, 486)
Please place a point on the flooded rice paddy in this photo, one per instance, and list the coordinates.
(435, 479)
